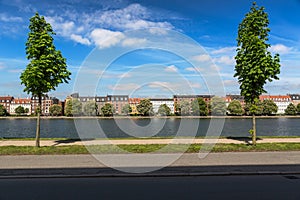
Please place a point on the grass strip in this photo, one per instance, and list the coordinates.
(157, 148)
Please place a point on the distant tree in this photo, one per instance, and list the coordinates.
(235, 108)
(199, 107)
(55, 110)
(291, 110)
(218, 106)
(126, 109)
(254, 109)
(26, 110)
(269, 107)
(73, 108)
(19, 110)
(184, 108)
(47, 67)
(255, 65)
(298, 108)
(3, 111)
(145, 107)
(164, 110)
(90, 108)
(107, 110)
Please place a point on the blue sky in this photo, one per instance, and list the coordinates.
(86, 29)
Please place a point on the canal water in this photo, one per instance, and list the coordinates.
(126, 128)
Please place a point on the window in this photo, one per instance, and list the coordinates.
(121, 98)
(117, 98)
(112, 98)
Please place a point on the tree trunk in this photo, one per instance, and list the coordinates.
(254, 130)
(38, 124)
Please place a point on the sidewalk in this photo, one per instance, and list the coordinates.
(230, 163)
(144, 141)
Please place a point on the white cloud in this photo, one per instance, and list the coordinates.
(193, 69)
(5, 18)
(225, 50)
(195, 85)
(133, 41)
(202, 58)
(171, 68)
(105, 38)
(80, 39)
(230, 83)
(227, 60)
(124, 87)
(126, 75)
(15, 70)
(280, 48)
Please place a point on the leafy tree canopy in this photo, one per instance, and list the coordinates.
(291, 110)
(107, 110)
(235, 108)
(254, 63)
(164, 110)
(144, 107)
(19, 110)
(126, 109)
(269, 107)
(73, 107)
(218, 106)
(55, 110)
(199, 107)
(3, 111)
(90, 108)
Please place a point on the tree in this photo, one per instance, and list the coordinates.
(218, 106)
(47, 67)
(90, 108)
(164, 110)
(19, 110)
(107, 110)
(291, 110)
(145, 107)
(3, 111)
(26, 110)
(199, 107)
(254, 109)
(184, 108)
(73, 107)
(269, 107)
(298, 108)
(126, 109)
(254, 63)
(235, 108)
(55, 110)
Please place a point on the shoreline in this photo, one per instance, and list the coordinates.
(153, 117)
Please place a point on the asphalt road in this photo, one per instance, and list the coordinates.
(192, 187)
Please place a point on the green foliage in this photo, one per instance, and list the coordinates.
(55, 110)
(291, 110)
(19, 110)
(126, 109)
(164, 110)
(269, 107)
(3, 111)
(298, 108)
(107, 110)
(218, 106)
(47, 67)
(184, 108)
(235, 108)
(199, 107)
(254, 63)
(73, 107)
(254, 108)
(90, 108)
(145, 107)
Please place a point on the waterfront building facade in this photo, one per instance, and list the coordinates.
(25, 103)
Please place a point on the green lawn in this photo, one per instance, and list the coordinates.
(159, 148)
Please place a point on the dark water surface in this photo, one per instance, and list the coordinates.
(65, 128)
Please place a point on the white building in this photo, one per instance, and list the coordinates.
(25, 103)
(282, 101)
(156, 102)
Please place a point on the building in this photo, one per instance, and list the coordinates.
(191, 98)
(118, 101)
(231, 97)
(282, 101)
(46, 103)
(295, 98)
(157, 102)
(133, 102)
(25, 103)
(6, 102)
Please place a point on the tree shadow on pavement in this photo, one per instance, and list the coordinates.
(70, 141)
(247, 140)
